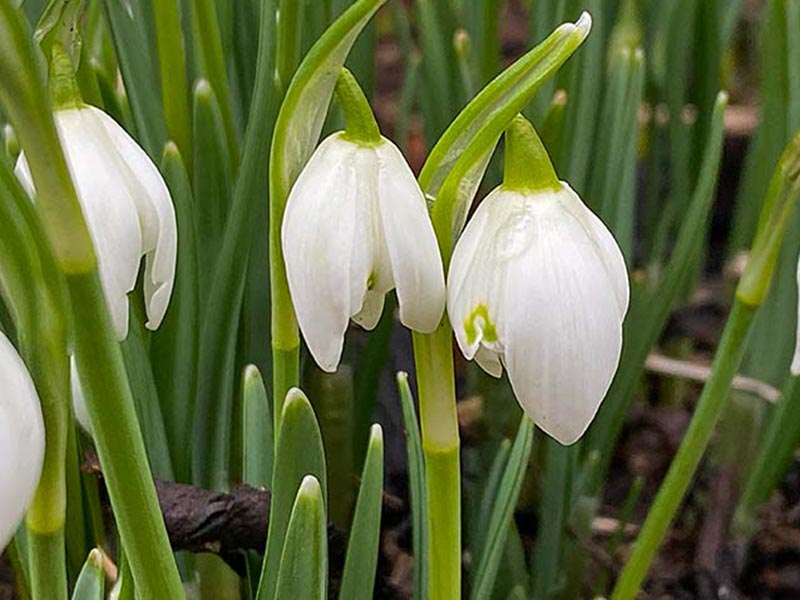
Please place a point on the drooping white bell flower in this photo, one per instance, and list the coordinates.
(538, 285)
(127, 208)
(356, 226)
(21, 440)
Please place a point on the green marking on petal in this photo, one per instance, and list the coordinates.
(484, 324)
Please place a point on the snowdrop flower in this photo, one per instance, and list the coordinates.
(356, 226)
(127, 208)
(538, 285)
(21, 440)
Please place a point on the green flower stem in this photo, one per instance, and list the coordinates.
(208, 42)
(172, 63)
(119, 443)
(116, 431)
(433, 356)
(681, 472)
(49, 365)
(48, 565)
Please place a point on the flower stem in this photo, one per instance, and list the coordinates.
(433, 356)
(681, 472)
(119, 443)
(48, 565)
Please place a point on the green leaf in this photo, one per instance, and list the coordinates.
(257, 436)
(299, 452)
(91, 582)
(303, 571)
(358, 578)
(487, 500)
(456, 164)
(213, 172)
(503, 511)
(174, 347)
(417, 487)
(139, 72)
(145, 397)
(218, 342)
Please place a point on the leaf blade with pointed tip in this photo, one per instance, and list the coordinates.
(91, 582)
(299, 452)
(303, 571)
(358, 578)
(503, 511)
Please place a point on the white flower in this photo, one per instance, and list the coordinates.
(21, 440)
(537, 284)
(356, 225)
(127, 208)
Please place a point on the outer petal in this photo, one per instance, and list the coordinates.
(413, 250)
(107, 205)
(476, 281)
(156, 215)
(317, 237)
(605, 244)
(563, 332)
(78, 398)
(21, 440)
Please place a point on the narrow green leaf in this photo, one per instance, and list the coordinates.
(219, 335)
(303, 571)
(299, 452)
(211, 56)
(358, 578)
(139, 72)
(503, 511)
(257, 436)
(212, 179)
(416, 486)
(439, 88)
(174, 347)
(91, 582)
(145, 397)
(487, 500)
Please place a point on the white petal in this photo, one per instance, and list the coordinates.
(371, 274)
(156, 216)
(606, 245)
(563, 334)
(108, 207)
(317, 237)
(21, 440)
(413, 250)
(489, 361)
(795, 368)
(476, 281)
(78, 398)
